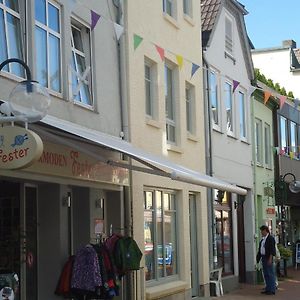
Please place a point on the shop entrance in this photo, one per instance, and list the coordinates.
(18, 240)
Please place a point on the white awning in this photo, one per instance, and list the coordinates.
(155, 164)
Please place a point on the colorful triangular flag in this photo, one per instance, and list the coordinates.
(282, 100)
(161, 52)
(235, 85)
(179, 59)
(118, 30)
(195, 67)
(94, 19)
(136, 41)
(251, 90)
(292, 154)
(267, 96)
(281, 151)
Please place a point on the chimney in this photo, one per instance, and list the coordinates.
(289, 44)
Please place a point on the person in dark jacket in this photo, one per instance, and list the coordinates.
(266, 251)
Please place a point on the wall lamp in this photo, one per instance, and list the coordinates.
(294, 185)
(28, 101)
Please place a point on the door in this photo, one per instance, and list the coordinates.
(193, 245)
(241, 238)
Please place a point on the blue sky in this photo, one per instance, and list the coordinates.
(269, 22)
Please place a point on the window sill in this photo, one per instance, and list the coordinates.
(171, 20)
(152, 122)
(231, 135)
(189, 19)
(245, 141)
(174, 148)
(11, 76)
(164, 290)
(230, 56)
(84, 106)
(217, 128)
(192, 137)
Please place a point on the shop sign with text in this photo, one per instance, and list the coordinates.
(19, 147)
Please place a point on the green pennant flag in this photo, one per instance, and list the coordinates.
(136, 40)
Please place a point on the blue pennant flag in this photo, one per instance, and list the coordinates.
(194, 69)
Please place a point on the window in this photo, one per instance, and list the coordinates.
(168, 7)
(48, 44)
(10, 36)
(258, 141)
(228, 36)
(242, 115)
(170, 105)
(223, 252)
(81, 58)
(187, 7)
(293, 138)
(213, 96)
(283, 134)
(190, 108)
(160, 233)
(149, 89)
(229, 107)
(267, 145)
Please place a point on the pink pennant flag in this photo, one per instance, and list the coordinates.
(94, 19)
(161, 52)
(282, 100)
(235, 85)
(281, 152)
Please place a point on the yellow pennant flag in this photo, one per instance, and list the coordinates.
(179, 59)
(267, 96)
(292, 154)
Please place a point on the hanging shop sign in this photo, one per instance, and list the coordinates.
(270, 211)
(19, 147)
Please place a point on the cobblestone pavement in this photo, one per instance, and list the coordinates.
(289, 289)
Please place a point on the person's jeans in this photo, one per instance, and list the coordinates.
(269, 275)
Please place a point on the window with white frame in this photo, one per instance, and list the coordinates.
(10, 36)
(242, 108)
(229, 107)
(48, 44)
(214, 96)
(293, 137)
(190, 108)
(258, 141)
(150, 88)
(170, 105)
(160, 234)
(228, 36)
(187, 7)
(267, 145)
(283, 134)
(81, 64)
(168, 7)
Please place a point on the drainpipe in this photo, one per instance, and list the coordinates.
(125, 134)
(208, 159)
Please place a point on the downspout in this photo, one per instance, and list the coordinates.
(208, 160)
(125, 134)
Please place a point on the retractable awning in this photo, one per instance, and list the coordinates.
(155, 164)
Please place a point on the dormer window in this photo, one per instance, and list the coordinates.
(228, 36)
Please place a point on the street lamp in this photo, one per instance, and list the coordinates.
(28, 101)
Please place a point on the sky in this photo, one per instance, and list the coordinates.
(269, 22)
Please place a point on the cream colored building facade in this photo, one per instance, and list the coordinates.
(171, 125)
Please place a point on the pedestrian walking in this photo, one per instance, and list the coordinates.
(266, 251)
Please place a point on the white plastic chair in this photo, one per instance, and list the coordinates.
(216, 279)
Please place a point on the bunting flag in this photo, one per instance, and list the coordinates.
(136, 40)
(179, 59)
(266, 97)
(281, 152)
(94, 19)
(235, 85)
(282, 100)
(276, 150)
(251, 89)
(296, 103)
(195, 67)
(292, 154)
(161, 52)
(118, 30)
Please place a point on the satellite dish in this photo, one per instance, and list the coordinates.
(294, 186)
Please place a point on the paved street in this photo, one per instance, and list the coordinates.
(289, 289)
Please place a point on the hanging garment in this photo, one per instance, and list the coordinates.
(86, 271)
(127, 255)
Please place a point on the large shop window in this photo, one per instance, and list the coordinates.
(81, 62)
(223, 256)
(48, 44)
(160, 232)
(10, 35)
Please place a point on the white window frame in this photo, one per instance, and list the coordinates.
(283, 141)
(188, 8)
(267, 146)
(170, 8)
(258, 142)
(212, 72)
(190, 108)
(6, 10)
(229, 34)
(154, 210)
(242, 115)
(57, 35)
(87, 55)
(227, 84)
(293, 138)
